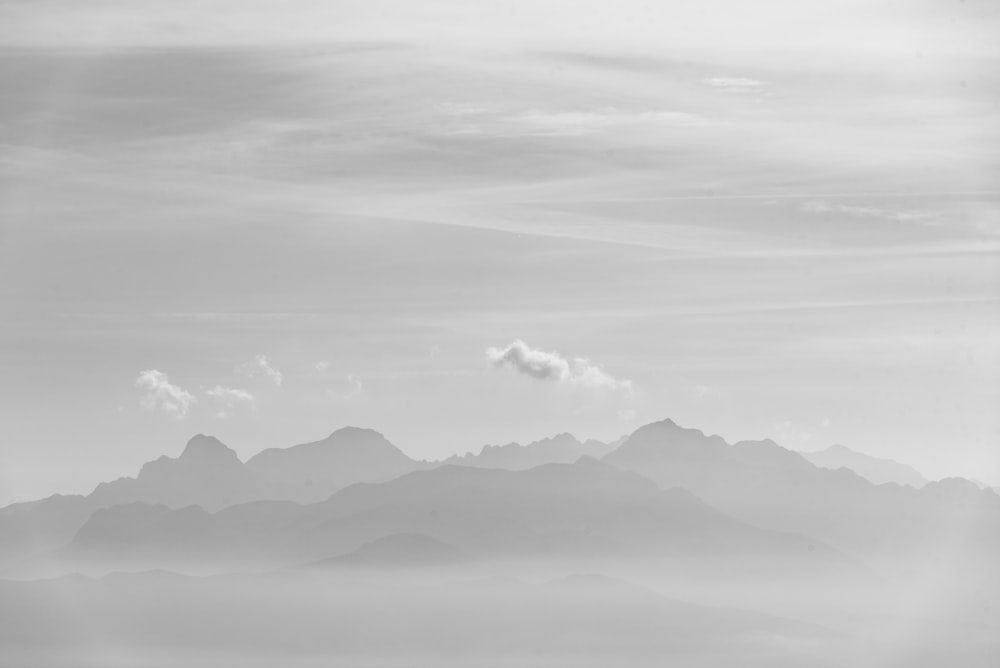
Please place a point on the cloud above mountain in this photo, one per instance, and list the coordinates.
(260, 366)
(229, 398)
(551, 366)
(161, 394)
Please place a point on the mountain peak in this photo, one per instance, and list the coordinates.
(667, 426)
(666, 439)
(202, 447)
(355, 432)
(588, 461)
(873, 469)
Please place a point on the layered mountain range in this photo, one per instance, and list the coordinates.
(663, 492)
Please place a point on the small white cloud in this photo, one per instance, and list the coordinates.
(535, 363)
(552, 366)
(351, 388)
(627, 414)
(229, 394)
(229, 398)
(261, 366)
(322, 366)
(734, 84)
(825, 423)
(706, 392)
(356, 387)
(161, 394)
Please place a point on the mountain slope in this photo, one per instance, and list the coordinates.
(210, 475)
(873, 469)
(310, 472)
(207, 474)
(587, 509)
(764, 484)
(560, 449)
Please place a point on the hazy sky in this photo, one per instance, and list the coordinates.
(461, 223)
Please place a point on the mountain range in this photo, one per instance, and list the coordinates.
(557, 511)
(764, 484)
(873, 469)
(560, 449)
(664, 491)
(210, 475)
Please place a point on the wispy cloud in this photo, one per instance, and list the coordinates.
(161, 394)
(734, 84)
(551, 366)
(260, 366)
(895, 215)
(592, 121)
(357, 387)
(627, 414)
(229, 398)
(706, 392)
(354, 387)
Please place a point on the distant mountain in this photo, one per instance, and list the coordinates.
(35, 527)
(560, 449)
(983, 485)
(875, 470)
(210, 475)
(664, 491)
(207, 473)
(586, 509)
(767, 485)
(310, 472)
(137, 532)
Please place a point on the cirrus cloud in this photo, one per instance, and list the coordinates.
(551, 366)
(735, 84)
(891, 214)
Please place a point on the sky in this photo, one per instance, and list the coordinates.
(463, 223)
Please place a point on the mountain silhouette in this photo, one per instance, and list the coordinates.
(873, 469)
(767, 485)
(556, 510)
(310, 472)
(560, 449)
(666, 491)
(208, 474)
(131, 533)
